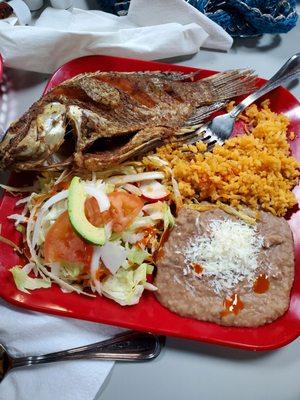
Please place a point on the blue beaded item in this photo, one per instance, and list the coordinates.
(237, 17)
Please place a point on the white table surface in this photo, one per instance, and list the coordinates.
(186, 369)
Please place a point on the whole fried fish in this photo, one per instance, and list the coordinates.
(98, 119)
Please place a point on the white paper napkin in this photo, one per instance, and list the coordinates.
(10, 20)
(30, 333)
(152, 30)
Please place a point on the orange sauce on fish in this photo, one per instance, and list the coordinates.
(232, 305)
(101, 272)
(131, 87)
(197, 268)
(72, 92)
(261, 284)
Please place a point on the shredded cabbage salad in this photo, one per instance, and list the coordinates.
(131, 205)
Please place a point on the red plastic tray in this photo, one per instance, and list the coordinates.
(149, 315)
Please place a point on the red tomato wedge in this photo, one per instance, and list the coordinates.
(93, 213)
(124, 208)
(63, 244)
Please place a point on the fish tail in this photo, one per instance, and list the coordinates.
(225, 85)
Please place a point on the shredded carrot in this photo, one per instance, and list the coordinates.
(101, 273)
(149, 233)
(37, 201)
(61, 186)
(56, 188)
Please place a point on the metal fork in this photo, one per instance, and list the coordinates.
(128, 346)
(220, 128)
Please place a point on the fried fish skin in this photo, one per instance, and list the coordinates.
(98, 119)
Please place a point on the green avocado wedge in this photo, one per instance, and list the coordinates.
(80, 223)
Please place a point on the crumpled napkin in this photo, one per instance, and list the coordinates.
(153, 29)
(30, 333)
(13, 20)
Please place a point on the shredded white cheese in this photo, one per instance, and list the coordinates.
(229, 254)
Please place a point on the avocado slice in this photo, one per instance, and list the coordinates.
(80, 223)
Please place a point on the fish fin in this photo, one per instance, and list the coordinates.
(142, 142)
(174, 76)
(204, 112)
(167, 75)
(225, 85)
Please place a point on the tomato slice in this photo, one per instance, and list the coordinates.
(124, 208)
(93, 213)
(63, 244)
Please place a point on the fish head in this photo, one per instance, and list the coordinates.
(41, 137)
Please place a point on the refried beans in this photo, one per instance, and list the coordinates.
(186, 289)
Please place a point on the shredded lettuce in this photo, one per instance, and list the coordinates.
(157, 162)
(66, 270)
(45, 183)
(98, 191)
(136, 255)
(109, 187)
(126, 286)
(115, 236)
(49, 218)
(127, 263)
(24, 282)
(113, 255)
(63, 284)
(149, 269)
(169, 220)
(136, 177)
(131, 237)
(124, 169)
(70, 270)
(155, 210)
(140, 223)
(20, 228)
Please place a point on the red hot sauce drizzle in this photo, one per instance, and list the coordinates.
(261, 284)
(232, 305)
(197, 268)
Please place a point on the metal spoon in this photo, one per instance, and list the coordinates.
(129, 346)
